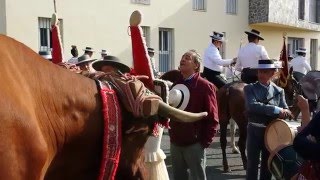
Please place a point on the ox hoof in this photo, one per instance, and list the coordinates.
(235, 150)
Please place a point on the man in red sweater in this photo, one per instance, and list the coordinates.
(189, 140)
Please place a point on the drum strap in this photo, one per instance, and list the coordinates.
(265, 101)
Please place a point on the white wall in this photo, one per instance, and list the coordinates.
(3, 17)
(104, 24)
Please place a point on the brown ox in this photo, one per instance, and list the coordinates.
(51, 121)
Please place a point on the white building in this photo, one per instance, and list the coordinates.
(171, 27)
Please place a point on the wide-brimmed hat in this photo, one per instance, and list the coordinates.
(310, 84)
(110, 61)
(90, 49)
(268, 64)
(150, 50)
(84, 59)
(46, 54)
(254, 33)
(179, 96)
(301, 50)
(103, 51)
(217, 36)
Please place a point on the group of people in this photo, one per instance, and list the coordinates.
(265, 101)
(85, 61)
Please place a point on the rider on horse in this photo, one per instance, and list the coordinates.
(213, 63)
(249, 55)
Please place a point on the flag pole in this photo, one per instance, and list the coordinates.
(284, 72)
(55, 6)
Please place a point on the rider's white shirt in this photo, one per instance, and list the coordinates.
(249, 55)
(300, 64)
(212, 59)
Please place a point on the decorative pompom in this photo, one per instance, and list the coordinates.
(135, 18)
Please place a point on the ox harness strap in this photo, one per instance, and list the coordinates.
(111, 133)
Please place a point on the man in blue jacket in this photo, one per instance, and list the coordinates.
(265, 101)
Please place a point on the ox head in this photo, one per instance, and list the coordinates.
(141, 102)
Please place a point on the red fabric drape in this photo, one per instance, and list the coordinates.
(57, 51)
(141, 59)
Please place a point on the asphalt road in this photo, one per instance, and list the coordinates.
(214, 167)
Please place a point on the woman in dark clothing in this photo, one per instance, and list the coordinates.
(307, 141)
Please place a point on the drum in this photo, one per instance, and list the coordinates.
(280, 132)
(284, 162)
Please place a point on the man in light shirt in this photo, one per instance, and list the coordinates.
(299, 64)
(249, 55)
(213, 63)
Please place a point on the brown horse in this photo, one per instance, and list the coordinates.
(231, 104)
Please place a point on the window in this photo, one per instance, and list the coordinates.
(301, 9)
(231, 6)
(45, 38)
(44, 34)
(314, 10)
(146, 34)
(146, 2)
(165, 49)
(199, 5)
(294, 44)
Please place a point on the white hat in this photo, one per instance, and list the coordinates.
(103, 51)
(90, 49)
(179, 96)
(268, 64)
(217, 36)
(302, 50)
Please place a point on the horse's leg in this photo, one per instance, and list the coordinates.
(223, 143)
(233, 128)
(242, 142)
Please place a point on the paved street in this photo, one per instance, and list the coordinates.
(214, 161)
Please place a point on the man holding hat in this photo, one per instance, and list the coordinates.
(190, 140)
(265, 101)
(299, 64)
(84, 62)
(110, 64)
(249, 55)
(213, 63)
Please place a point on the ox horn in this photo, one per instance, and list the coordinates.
(179, 115)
